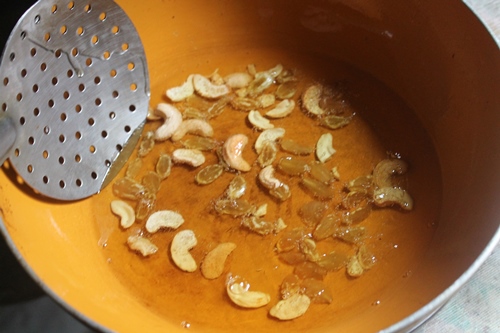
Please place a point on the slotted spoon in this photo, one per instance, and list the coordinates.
(74, 94)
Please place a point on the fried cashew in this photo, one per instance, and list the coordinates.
(311, 98)
(193, 126)
(213, 265)
(258, 121)
(238, 291)
(389, 196)
(207, 89)
(276, 188)
(267, 178)
(232, 151)
(385, 169)
(282, 109)
(173, 119)
(124, 211)
(291, 308)
(142, 245)
(180, 93)
(182, 243)
(164, 219)
(272, 134)
(193, 157)
(324, 147)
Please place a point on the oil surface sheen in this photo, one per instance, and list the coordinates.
(382, 123)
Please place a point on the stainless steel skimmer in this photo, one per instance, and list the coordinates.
(74, 94)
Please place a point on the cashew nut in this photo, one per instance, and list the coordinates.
(310, 99)
(257, 120)
(271, 134)
(184, 241)
(282, 109)
(193, 126)
(276, 188)
(238, 80)
(207, 89)
(232, 151)
(173, 119)
(266, 177)
(324, 147)
(385, 169)
(388, 196)
(213, 265)
(180, 93)
(164, 219)
(291, 308)
(124, 211)
(193, 157)
(142, 245)
(238, 291)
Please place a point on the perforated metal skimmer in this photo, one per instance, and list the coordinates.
(74, 81)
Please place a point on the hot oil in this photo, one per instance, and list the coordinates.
(382, 124)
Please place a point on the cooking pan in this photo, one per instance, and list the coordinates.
(437, 57)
